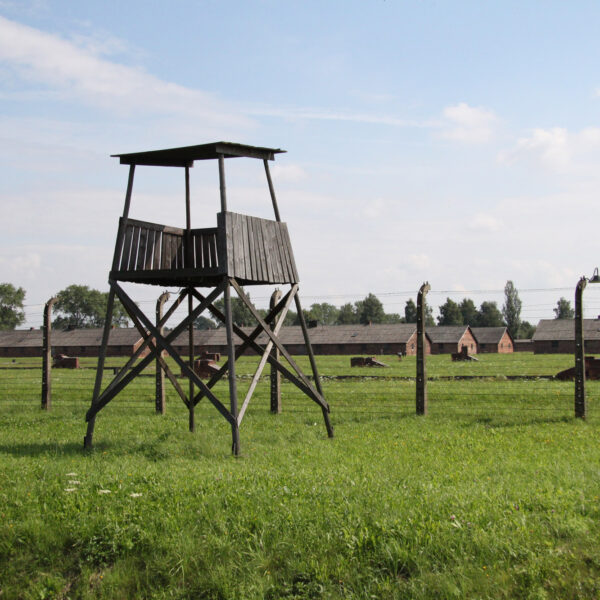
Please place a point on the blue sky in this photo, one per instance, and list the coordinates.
(454, 142)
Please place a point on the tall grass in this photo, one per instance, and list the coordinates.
(493, 495)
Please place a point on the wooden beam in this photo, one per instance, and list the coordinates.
(235, 428)
(421, 387)
(244, 346)
(159, 401)
(580, 400)
(313, 364)
(164, 343)
(263, 361)
(47, 356)
(108, 395)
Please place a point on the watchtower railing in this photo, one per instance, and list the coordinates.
(153, 247)
(251, 249)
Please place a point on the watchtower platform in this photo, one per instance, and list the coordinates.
(240, 250)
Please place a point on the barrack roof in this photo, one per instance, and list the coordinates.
(185, 156)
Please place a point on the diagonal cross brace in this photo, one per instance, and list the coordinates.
(107, 396)
(263, 360)
(248, 341)
(248, 338)
(164, 344)
(156, 352)
(274, 338)
(143, 345)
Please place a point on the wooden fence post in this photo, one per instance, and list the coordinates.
(275, 374)
(421, 366)
(580, 404)
(160, 374)
(47, 356)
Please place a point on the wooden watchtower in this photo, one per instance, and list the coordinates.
(240, 250)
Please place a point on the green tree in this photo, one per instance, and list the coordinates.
(429, 321)
(410, 311)
(511, 310)
(526, 331)
(563, 310)
(394, 318)
(347, 315)
(11, 306)
(489, 315)
(241, 315)
(324, 313)
(370, 310)
(79, 307)
(469, 313)
(204, 323)
(450, 313)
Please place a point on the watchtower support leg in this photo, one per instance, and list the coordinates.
(580, 401)
(160, 374)
(235, 430)
(313, 364)
(421, 400)
(191, 405)
(47, 356)
(87, 440)
(275, 378)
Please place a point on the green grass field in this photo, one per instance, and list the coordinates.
(495, 494)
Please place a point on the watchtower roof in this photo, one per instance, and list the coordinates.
(185, 156)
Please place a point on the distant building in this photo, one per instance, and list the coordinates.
(557, 336)
(446, 339)
(325, 339)
(76, 342)
(524, 345)
(493, 339)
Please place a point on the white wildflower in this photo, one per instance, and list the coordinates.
(74, 482)
(104, 491)
(70, 489)
(135, 494)
(71, 474)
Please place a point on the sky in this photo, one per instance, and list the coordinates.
(450, 142)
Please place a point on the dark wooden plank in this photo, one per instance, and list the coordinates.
(285, 231)
(228, 224)
(156, 263)
(238, 244)
(212, 250)
(166, 251)
(274, 252)
(282, 253)
(149, 250)
(247, 258)
(126, 248)
(266, 260)
(206, 252)
(287, 249)
(197, 250)
(254, 266)
(256, 271)
(141, 257)
(135, 239)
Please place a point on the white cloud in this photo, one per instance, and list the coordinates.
(485, 223)
(469, 124)
(557, 149)
(550, 146)
(43, 58)
(318, 114)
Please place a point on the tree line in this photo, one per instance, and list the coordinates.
(79, 306)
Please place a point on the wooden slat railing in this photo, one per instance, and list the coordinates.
(153, 247)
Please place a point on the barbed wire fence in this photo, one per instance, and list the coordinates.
(365, 396)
